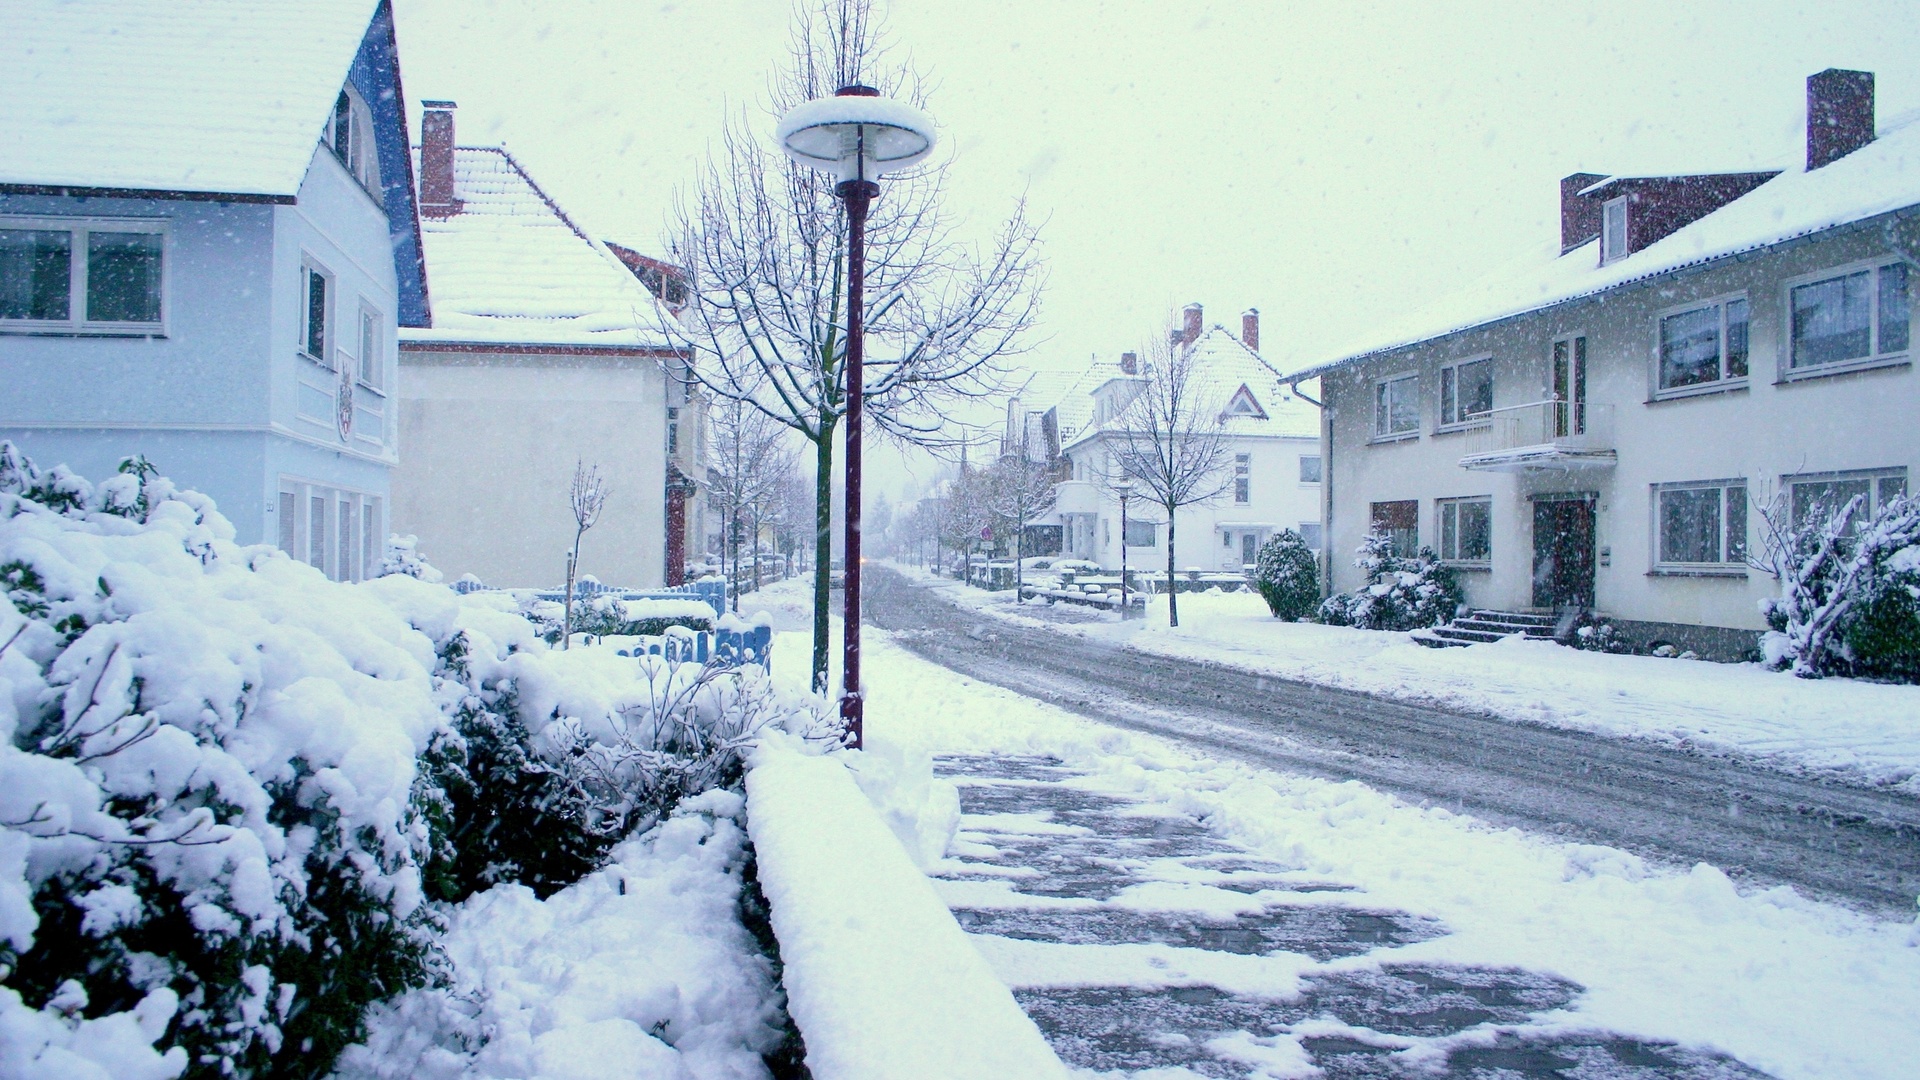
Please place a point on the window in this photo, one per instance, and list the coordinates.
(317, 532)
(372, 362)
(1310, 532)
(316, 318)
(100, 275)
(1242, 478)
(1613, 229)
(350, 136)
(348, 535)
(1466, 530)
(1569, 376)
(1310, 468)
(1140, 533)
(1856, 317)
(289, 523)
(1399, 522)
(1819, 496)
(673, 429)
(1701, 525)
(1396, 406)
(337, 531)
(1226, 540)
(370, 547)
(1466, 392)
(1704, 346)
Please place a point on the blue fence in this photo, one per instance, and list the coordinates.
(734, 648)
(713, 592)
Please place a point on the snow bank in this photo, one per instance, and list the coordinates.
(880, 979)
(640, 971)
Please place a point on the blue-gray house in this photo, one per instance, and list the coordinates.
(208, 239)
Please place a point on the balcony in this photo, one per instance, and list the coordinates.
(1076, 497)
(1543, 435)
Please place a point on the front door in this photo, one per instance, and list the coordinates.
(1249, 548)
(1563, 552)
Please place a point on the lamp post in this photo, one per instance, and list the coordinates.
(1124, 488)
(858, 136)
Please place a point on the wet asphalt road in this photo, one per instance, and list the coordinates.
(1760, 825)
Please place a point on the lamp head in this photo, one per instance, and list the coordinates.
(856, 134)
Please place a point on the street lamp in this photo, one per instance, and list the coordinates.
(1124, 488)
(858, 136)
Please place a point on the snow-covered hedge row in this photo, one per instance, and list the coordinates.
(229, 787)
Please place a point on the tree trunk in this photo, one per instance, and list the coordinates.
(822, 553)
(1173, 590)
(566, 621)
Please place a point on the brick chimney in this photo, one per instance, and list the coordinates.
(1129, 363)
(1191, 332)
(1250, 328)
(437, 198)
(1579, 216)
(1839, 115)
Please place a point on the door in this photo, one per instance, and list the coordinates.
(1569, 387)
(1249, 548)
(1563, 538)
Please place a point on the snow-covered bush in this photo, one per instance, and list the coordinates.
(608, 616)
(1596, 634)
(1849, 600)
(1401, 593)
(403, 556)
(1287, 576)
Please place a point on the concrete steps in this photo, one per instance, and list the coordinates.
(1481, 626)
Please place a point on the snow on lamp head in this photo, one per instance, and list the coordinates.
(856, 135)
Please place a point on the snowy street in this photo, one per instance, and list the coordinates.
(1756, 824)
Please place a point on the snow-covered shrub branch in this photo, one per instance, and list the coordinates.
(1401, 593)
(1849, 600)
(1287, 576)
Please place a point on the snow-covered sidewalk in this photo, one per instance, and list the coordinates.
(1785, 985)
(1859, 732)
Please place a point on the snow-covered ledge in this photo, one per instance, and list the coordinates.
(880, 979)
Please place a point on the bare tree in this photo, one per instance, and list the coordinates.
(1018, 489)
(763, 242)
(1171, 442)
(586, 496)
(748, 464)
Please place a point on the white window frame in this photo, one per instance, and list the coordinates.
(1728, 565)
(1611, 249)
(1725, 381)
(371, 372)
(309, 268)
(1449, 379)
(1313, 540)
(1875, 480)
(1381, 414)
(1444, 509)
(77, 229)
(1876, 356)
(362, 157)
(1319, 469)
(340, 557)
(1242, 479)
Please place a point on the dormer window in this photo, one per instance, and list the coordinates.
(350, 136)
(1613, 229)
(1243, 404)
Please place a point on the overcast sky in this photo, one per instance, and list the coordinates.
(1326, 163)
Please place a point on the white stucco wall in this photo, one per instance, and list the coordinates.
(489, 442)
(1761, 431)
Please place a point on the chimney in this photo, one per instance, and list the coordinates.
(1129, 363)
(437, 199)
(1192, 332)
(1250, 328)
(1579, 216)
(1839, 115)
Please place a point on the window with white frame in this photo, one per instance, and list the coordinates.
(1857, 317)
(1613, 229)
(1701, 526)
(98, 275)
(1466, 530)
(1310, 533)
(1399, 522)
(1704, 346)
(316, 313)
(1310, 468)
(337, 531)
(1816, 497)
(1243, 478)
(349, 135)
(1141, 533)
(1466, 392)
(1396, 406)
(372, 356)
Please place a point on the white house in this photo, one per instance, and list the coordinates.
(206, 263)
(1602, 425)
(545, 350)
(1271, 477)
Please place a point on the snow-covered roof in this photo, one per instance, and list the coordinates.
(1878, 178)
(510, 268)
(1223, 366)
(219, 96)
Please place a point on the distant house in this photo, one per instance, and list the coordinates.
(545, 349)
(1271, 477)
(1600, 426)
(207, 237)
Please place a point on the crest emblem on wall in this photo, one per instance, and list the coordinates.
(343, 405)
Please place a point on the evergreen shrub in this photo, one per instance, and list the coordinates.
(1401, 593)
(1287, 576)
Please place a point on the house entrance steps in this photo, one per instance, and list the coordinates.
(1481, 625)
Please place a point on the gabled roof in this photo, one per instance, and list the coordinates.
(512, 269)
(1879, 178)
(208, 98)
(1225, 367)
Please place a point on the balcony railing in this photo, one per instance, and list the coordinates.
(1543, 435)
